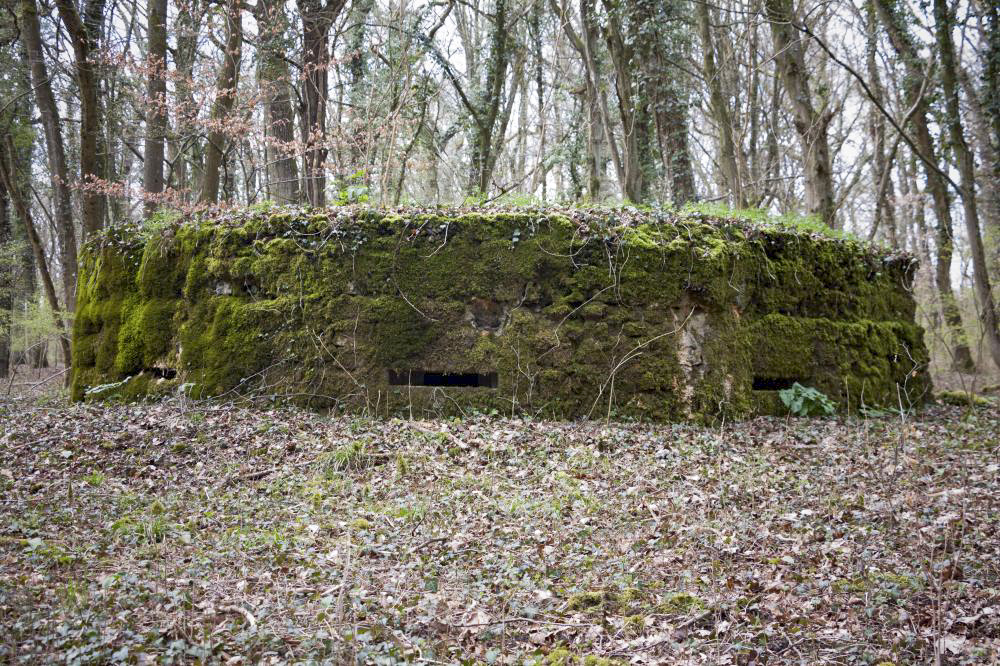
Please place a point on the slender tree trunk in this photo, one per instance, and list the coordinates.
(885, 213)
(85, 36)
(317, 18)
(719, 106)
(810, 123)
(540, 177)
(156, 100)
(751, 164)
(594, 105)
(225, 98)
(597, 145)
(772, 170)
(659, 44)
(279, 118)
(23, 209)
(7, 272)
(944, 23)
(359, 107)
(991, 85)
(54, 148)
(185, 30)
(989, 185)
(483, 158)
(632, 109)
(915, 69)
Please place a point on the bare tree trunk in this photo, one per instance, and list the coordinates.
(944, 23)
(885, 213)
(631, 110)
(7, 273)
(719, 106)
(225, 98)
(84, 35)
(483, 159)
(279, 118)
(988, 183)
(595, 106)
(317, 18)
(810, 124)
(540, 177)
(185, 29)
(23, 209)
(156, 100)
(55, 149)
(915, 69)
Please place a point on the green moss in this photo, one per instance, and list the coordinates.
(680, 602)
(145, 335)
(964, 399)
(579, 313)
(857, 363)
(226, 341)
(399, 332)
(563, 657)
(635, 624)
(138, 388)
(588, 600)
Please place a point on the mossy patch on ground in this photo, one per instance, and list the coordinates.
(965, 399)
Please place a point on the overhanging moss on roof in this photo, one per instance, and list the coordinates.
(570, 312)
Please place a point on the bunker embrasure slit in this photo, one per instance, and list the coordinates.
(773, 383)
(443, 379)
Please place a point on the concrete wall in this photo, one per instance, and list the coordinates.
(558, 314)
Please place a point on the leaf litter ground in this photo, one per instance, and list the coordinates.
(199, 533)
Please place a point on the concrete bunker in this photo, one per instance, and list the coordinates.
(552, 313)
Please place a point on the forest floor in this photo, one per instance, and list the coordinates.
(210, 533)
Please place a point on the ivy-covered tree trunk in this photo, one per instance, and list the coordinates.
(718, 105)
(660, 38)
(811, 123)
(915, 69)
(358, 109)
(989, 136)
(944, 24)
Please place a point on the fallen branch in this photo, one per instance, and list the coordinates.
(242, 611)
(420, 547)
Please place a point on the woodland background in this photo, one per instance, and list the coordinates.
(873, 118)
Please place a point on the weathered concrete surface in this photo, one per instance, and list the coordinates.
(554, 313)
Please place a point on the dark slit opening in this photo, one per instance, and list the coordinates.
(772, 383)
(444, 379)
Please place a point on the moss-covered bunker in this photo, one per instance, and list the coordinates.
(561, 314)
